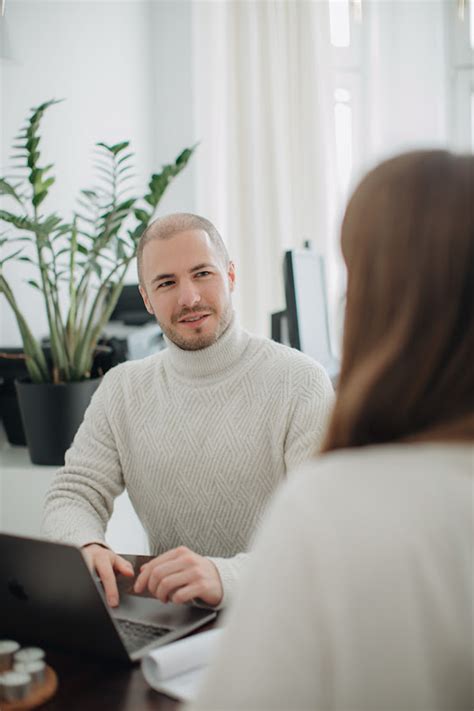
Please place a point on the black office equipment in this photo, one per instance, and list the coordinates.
(49, 597)
(130, 308)
(305, 324)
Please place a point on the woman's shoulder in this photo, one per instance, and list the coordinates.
(357, 482)
(385, 460)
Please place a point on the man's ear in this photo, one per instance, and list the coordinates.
(231, 275)
(146, 300)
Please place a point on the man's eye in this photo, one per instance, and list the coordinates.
(163, 284)
(201, 274)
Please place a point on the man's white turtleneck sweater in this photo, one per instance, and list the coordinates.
(200, 440)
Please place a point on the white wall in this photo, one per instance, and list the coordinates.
(124, 70)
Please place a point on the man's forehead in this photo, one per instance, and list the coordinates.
(182, 250)
(174, 242)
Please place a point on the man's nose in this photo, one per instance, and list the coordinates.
(189, 295)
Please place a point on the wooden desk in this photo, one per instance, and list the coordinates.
(93, 685)
(96, 685)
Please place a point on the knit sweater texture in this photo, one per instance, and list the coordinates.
(358, 595)
(200, 440)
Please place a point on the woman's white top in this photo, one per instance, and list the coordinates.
(360, 594)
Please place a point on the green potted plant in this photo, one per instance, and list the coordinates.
(80, 267)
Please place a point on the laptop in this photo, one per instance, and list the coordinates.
(49, 597)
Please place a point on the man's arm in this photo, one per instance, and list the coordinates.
(80, 500)
(312, 400)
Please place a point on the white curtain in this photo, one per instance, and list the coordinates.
(263, 115)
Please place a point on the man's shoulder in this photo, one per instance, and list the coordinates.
(134, 371)
(283, 359)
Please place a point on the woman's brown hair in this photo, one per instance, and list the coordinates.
(407, 367)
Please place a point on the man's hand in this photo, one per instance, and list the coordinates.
(105, 562)
(179, 575)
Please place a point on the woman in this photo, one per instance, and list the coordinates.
(359, 594)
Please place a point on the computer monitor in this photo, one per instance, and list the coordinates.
(306, 307)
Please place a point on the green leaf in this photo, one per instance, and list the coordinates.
(142, 215)
(122, 159)
(11, 256)
(62, 251)
(126, 204)
(137, 232)
(33, 283)
(42, 187)
(22, 223)
(119, 147)
(7, 189)
(91, 194)
(125, 169)
(116, 148)
(51, 223)
(184, 156)
(149, 199)
(32, 144)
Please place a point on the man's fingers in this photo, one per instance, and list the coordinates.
(166, 557)
(155, 573)
(142, 581)
(187, 593)
(123, 566)
(159, 572)
(180, 575)
(106, 573)
(168, 585)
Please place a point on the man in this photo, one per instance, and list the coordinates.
(200, 434)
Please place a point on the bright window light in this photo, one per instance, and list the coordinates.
(339, 14)
(342, 95)
(471, 23)
(343, 126)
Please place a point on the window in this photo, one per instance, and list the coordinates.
(339, 23)
(345, 31)
(344, 137)
(460, 23)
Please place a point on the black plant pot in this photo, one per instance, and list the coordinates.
(10, 413)
(51, 416)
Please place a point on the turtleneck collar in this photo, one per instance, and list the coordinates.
(212, 361)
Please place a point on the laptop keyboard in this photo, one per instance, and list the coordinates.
(136, 635)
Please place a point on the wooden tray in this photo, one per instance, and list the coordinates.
(39, 696)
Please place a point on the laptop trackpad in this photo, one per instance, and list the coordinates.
(151, 610)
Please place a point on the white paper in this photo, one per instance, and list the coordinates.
(176, 669)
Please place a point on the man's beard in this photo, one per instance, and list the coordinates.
(198, 340)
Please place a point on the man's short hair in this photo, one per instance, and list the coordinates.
(170, 225)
